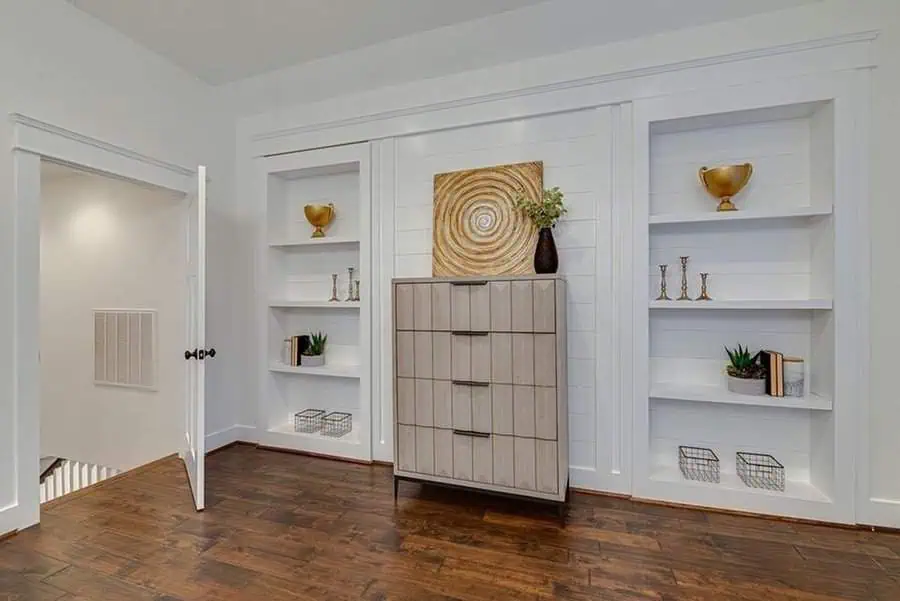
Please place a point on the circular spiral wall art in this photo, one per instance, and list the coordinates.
(477, 228)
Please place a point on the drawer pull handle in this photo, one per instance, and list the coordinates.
(470, 283)
(469, 333)
(472, 433)
(471, 383)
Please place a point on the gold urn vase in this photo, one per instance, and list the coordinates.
(319, 216)
(725, 182)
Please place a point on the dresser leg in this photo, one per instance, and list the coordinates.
(396, 489)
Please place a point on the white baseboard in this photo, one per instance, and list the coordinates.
(880, 512)
(235, 433)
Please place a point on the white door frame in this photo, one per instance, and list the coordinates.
(32, 141)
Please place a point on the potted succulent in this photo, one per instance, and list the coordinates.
(544, 213)
(314, 354)
(746, 375)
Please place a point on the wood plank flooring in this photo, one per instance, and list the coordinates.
(282, 527)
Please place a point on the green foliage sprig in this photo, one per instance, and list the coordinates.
(316, 344)
(546, 211)
(744, 365)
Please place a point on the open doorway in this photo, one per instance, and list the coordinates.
(113, 293)
(36, 142)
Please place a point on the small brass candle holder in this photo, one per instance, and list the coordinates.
(334, 297)
(350, 285)
(704, 295)
(663, 292)
(684, 286)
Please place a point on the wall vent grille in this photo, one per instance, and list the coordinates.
(125, 348)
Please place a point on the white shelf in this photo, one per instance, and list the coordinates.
(284, 437)
(312, 304)
(314, 242)
(748, 215)
(731, 482)
(784, 304)
(332, 371)
(717, 395)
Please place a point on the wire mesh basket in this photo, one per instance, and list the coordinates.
(337, 424)
(308, 420)
(759, 470)
(698, 463)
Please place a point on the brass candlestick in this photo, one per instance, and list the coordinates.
(663, 293)
(334, 297)
(704, 295)
(684, 287)
(350, 284)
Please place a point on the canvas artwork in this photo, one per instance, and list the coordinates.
(477, 228)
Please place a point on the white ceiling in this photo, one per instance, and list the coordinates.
(226, 40)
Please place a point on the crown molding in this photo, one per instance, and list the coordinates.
(268, 135)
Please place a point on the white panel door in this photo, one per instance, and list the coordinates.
(194, 454)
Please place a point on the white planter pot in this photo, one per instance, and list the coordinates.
(312, 360)
(744, 386)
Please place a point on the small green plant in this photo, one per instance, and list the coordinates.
(744, 365)
(546, 211)
(316, 344)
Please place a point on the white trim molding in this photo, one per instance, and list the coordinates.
(66, 146)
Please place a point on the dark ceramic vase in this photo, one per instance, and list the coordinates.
(546, 260)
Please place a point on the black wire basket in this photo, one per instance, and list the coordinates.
(698, 463)
(308, 420)
(759, 470)
(337, 424)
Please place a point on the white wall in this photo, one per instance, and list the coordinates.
(61, 66)
(110, 244)
(280, 93)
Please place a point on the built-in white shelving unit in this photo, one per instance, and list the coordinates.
(704, 393)
(781, 277)
(294, 290)
(333, 371)
(320, 242)
(734, 216)
(312, 304)
(788, 304)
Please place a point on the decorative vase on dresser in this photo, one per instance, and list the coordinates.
(480, 384)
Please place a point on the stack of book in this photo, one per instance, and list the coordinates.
(298, 345)
(773, 361)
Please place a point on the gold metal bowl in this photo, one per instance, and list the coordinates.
(319, 216)
(725, 182)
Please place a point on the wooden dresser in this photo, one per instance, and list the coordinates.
(480, 384)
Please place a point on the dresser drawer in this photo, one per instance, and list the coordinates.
(470, 306)
(471, 406)
(513, 462)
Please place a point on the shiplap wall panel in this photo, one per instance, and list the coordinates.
(747, 260)
(571, 146)
(781, 433)
(689, 348)
(125, 348)
(287, 221)
(778, 150)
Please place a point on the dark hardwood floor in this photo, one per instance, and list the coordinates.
(284, 527)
